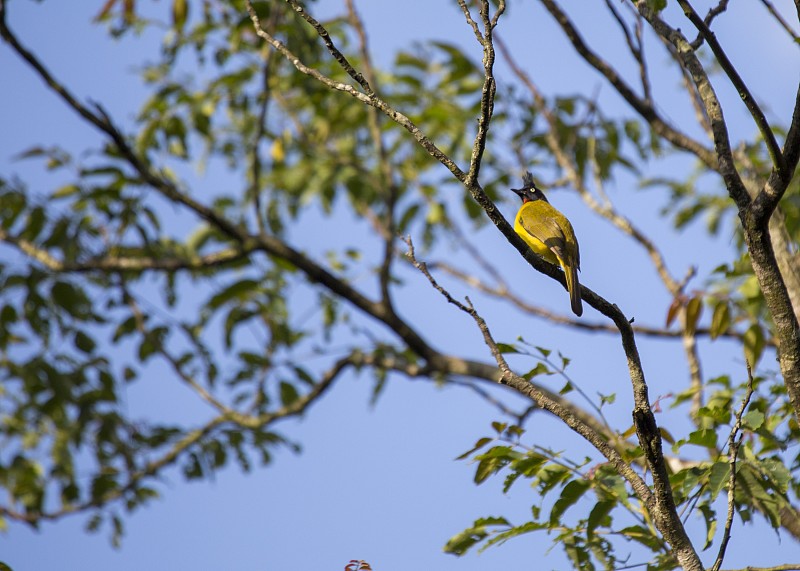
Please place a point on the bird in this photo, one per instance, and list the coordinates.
(548, 233)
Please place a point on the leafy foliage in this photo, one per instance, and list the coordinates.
(133, 269)
(593, 515)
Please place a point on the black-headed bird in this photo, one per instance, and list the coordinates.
(549, 234)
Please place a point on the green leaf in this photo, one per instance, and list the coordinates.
(528, 467)
(777, 472)
(35, 224)
(571, 493)
(710, 518)
(505, 348)
(501, 537)
(237, 291)
(124, 329)
(753, 344)
(152, 343)
(492, 461)
(539, 369)
(703, 437)
(408, 216)
(65, 191)
(180, 12)
(718, 477)
(84, 343)
(71, 298)
(599, 516)
(721, 320)
(694, 310)
(289, 394)
(478, 445)
(753, 420)
(643, 536)
(460, 543)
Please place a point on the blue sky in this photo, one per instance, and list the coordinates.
(380, 484)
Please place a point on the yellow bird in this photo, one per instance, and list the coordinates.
(549, 234)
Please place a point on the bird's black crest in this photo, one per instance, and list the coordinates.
(527, 180)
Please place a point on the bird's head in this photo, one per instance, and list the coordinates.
(529, 192)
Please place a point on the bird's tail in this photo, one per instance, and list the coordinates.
(574, 287)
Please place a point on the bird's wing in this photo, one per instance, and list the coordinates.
(546, 230)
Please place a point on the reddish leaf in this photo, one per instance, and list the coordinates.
(672, 312)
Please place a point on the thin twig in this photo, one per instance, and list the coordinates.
(334, 51)
(635, 47)
(780, 19)
(470, 20)
(733, 453)
(389, 226)
(712, 13)
(487, 93)
(264, 98)
(502, 291)
(721, 159)
(112, 263)
(160, 348)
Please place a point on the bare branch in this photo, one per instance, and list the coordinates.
(191, 438)
(752, 106)
(113, 263)
(712, 13)
(487, 94)
(326, 38)
(723, 159)
(786, 567)
(470, 20)
(781, 20)
(502, 291)
(635, 46)
(389, 230)
(641, 106)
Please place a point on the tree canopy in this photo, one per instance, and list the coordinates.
(288, 208)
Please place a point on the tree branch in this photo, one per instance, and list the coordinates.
(191, 438)
(326, 38)
(522, 386)
(487, 92)
(502, 291)
(384, 163)
(751, 104)
(641, 106)
(721, 6)
(723, 161)
(372, 100)
(783, 23)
